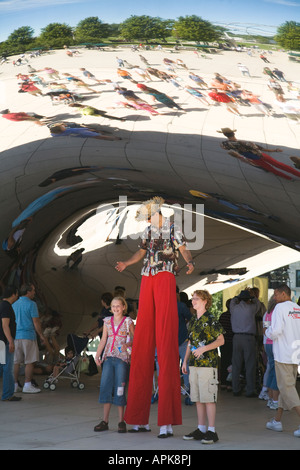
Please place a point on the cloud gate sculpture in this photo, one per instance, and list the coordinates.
(66, 195)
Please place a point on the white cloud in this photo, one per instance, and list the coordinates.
(19, 5)
(285, 2)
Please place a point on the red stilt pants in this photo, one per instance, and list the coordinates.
(269, 162)
(157, 325)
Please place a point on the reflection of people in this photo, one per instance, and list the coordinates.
(91, 111)
(285, 333)
(76, 258)
(205, 336)
(255, 155)
(7, 335)
(60, 130)
(157, 321)
(21, 116)
(116, 330)
(14, 238)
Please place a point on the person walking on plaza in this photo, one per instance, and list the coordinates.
(244, 308)
(157, 320)
(244, 69)
(285, 333)
(205, 336)
(159, 96)
(255, 155)
(7, 336)
(26, 346)
(219, 97)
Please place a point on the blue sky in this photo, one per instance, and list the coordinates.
(39, 13)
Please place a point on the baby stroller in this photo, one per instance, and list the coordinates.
(71, 369)
(64, 97)
(183, 389)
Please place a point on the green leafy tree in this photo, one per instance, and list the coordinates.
(288, 35)
(20, 39)
(91, 30)
(56, 35)
(144, 28)
(194, 28)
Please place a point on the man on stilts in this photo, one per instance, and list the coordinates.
(157, 322)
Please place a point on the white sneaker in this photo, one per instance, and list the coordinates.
(273, 405)
(297, 432)
(30, 389)
(263, 396)
(18, 388)
(274, 425)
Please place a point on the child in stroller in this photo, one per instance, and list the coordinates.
(65, 97)
(69, 368)
(59, 366)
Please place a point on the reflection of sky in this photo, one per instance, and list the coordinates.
(104, 227)
(39, 204)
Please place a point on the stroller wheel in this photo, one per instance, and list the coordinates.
(81, 386)
(74, 384)
(46, 385)
(52, 387)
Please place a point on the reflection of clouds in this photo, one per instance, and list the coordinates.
(284, 2)
(18, 5)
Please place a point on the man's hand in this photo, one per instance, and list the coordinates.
(120, 266)
(190, 268)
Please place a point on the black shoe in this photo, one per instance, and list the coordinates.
(210, 437)
(102, 426)
(237, 394)
(13, 398)
(252, 395)
(163, 436)
(197, 435)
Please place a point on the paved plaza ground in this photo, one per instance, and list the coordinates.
(64, 419)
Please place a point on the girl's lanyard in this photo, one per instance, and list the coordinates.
(115, 333)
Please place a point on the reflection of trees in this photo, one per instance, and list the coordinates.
(194, 28)
(288, 35)
(278, 276)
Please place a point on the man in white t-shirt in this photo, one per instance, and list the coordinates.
(285, 333)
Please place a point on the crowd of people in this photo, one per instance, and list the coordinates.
(66, 88)
(257, 344)
(162, 325)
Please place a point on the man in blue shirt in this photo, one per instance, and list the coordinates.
(26, 347)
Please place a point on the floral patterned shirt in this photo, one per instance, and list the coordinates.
(203, 331)
(117, 336)
(249, 149)
(162, 248)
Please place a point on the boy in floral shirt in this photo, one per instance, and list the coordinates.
(205, 336)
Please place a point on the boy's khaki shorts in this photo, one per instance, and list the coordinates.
(203, 384)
